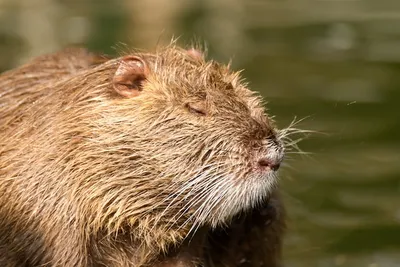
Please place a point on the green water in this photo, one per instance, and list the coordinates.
(334, 65)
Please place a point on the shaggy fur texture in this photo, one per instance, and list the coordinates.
(90, 178)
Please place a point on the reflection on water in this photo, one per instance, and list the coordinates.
(333, 63)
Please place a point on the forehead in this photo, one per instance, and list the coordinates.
(176, 66)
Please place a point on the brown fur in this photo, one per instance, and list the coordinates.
(48, 68)
(90, 178)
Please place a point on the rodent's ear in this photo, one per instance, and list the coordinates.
(129, 77)
(196, 54)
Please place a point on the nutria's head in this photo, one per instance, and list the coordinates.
(170, 139)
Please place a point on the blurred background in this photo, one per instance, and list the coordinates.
(335, 63)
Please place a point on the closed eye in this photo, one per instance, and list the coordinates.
(198, 108)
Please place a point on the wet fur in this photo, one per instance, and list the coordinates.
(84, 180)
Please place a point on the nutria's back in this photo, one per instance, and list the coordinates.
(115, 163)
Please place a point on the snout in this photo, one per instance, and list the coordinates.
(270, 156)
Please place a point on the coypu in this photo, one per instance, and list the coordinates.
(119, 162)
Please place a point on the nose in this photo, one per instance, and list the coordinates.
(269, 163)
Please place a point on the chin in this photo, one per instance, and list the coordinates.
(238, 197)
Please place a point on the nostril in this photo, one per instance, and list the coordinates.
(275, 167)
(263, 162)
(266, 163)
